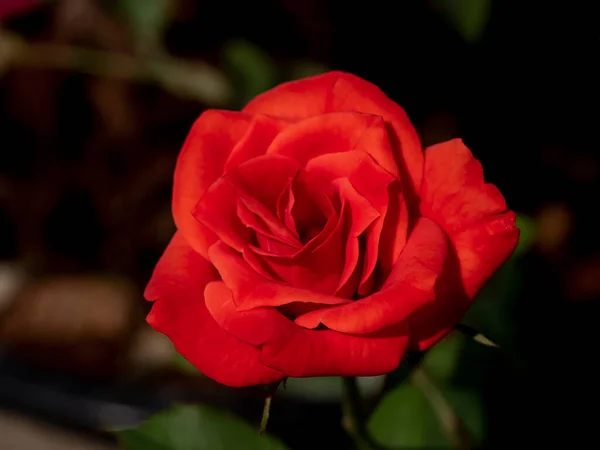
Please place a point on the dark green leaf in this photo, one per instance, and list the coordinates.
(251, 68)
(183, 365)
(327, 389)
(306, 68)
(468, 406)
(196, 428)
(442, 359)
(147, 19)
(527, 236)
(405, 419)
(468, 17)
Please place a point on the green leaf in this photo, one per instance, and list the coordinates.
(442, 359)
(468, 17)
(196, 428)
(405, 419)
(147, 19)
(306, 68)
(183, 365)
(251, 67)
(527, 236)
(469, 407)
(328, 389)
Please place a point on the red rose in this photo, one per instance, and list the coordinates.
(316, 237)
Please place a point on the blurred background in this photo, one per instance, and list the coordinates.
(96, 98)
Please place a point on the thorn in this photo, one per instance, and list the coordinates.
(284, 383)
(476, 335)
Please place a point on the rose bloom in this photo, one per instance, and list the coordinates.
(316, 237)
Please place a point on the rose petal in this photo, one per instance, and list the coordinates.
(200, 163)
(454, 192)
(372, 182)
(333, 133)
(394, 231)
(363, 172)
(285, 203)
(311, 204)
(318, 269)
(478, 252)
(259, 183)
(217, 211)
(263, 178)
(360, 215)
(409, 287)
(299, 352)
(180, 313)
(482, 233)
(260, 134)
(328, 268)
(268, 234)
(250, 290)
(339, 91)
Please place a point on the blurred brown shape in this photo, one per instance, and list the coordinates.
(77, 323)
(149, 350)
(554, 224)
(23, 433)
(583, 280)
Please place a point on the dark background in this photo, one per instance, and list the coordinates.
(89, 142)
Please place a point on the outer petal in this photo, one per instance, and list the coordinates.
(180, 313)
(339, 91)
(454, 192)
(409, 287)
(299, 352)
(199, 164)
(482, 233)
(476, 254)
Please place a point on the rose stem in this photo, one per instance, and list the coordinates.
(265, 415)
(353, 415)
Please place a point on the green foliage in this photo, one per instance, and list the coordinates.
(251, 68)
(327, 389)
(305, 68)
(527, 236)
(468, 17)
(183, 365)
(405, 419)
(431, 413)
(441, 361)
(196, 428)
(147, 20)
